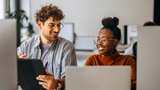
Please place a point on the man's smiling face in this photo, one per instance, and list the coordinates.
(50, 29)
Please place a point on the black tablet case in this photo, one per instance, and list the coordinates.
(28, 70)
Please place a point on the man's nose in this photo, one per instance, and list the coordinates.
(56, 29)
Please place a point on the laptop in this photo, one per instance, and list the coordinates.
(98, 78)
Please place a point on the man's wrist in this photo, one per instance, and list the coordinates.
(59, 86)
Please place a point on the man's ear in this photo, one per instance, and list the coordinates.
(40, 24)
(115, 42)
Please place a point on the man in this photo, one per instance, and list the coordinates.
(55, 52)
(106, 42)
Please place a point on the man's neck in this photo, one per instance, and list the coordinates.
(44, 41)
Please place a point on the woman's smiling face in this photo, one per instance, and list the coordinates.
(106, 43)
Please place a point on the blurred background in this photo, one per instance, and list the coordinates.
(82, 20)
(86, 14)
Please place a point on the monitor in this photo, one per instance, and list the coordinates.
(67, 31)
(130, 34)
(84, 43)
(8, 55)
(98, 78)
(148, 60)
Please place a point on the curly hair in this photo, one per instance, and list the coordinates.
(49, 11)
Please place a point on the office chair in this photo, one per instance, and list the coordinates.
(135, 51)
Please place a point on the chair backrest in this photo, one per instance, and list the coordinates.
(135, 51)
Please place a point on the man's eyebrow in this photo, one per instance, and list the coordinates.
(54, 23)
(51, 23)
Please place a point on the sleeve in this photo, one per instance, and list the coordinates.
(132, 63)
(89, 61)
(69, 59)
(20, 49)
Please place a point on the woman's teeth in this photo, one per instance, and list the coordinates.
(100, 48)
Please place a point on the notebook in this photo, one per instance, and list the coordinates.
(98, 78)
(28, 70)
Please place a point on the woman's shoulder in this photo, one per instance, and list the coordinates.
(126, 56)
(128, 59)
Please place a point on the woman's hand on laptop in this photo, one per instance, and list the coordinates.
(22, 55)
(48, 81)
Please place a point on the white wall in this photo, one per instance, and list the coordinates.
(87, 14)
(25, 5)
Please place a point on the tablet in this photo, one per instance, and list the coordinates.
(28, 70)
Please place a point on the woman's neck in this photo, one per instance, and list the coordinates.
(111, 53)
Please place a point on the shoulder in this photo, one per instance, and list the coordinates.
(32, 39)
(126, 57)
(129, 60)
(92, 60)
(94, 57)
(27, 45)
(30, 42)
(65, 43)
(63, 40)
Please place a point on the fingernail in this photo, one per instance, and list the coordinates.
(39, 76)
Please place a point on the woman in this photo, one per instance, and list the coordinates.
(106, 42)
